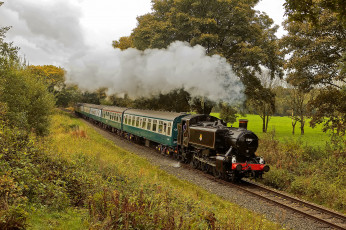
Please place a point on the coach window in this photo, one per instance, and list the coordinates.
(137, 121)
(126, 119)
(169, 129)
(149, 124)
(144, 123)
(154, 125)
(133, 120)
(160, 126)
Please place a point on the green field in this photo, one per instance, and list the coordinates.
(281, 127)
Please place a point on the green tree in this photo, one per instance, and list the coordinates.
(316, 44)
(227, 113)
(68, 96)
(202, 105)
(28, 100)
(298, 102)
(263, 104)
(232, 29)
(330, 110)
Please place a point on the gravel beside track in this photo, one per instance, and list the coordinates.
(286, 218)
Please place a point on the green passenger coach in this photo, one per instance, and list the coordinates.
(91, 111)
(156, 126)
(113, 116)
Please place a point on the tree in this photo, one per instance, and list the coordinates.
(263, 104)
(316, 45)
(68, 96)
(123, 43)
(330, 109)
(298, 102)
(28, 101)
(300, 10)
(262, 100)
(227, 113)
(202, 105)
(53, 76)
(232, 29)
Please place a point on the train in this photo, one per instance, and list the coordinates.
(203, 141)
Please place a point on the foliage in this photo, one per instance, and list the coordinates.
(300, 10)
(330, 109)
(28, 101)
(228, 114)
(312, 173)
(53, 76)
(263, 104)
(317, 48)
(202, 105)
(69, 95)
(123, 43)
(298, 103)
(232, 29)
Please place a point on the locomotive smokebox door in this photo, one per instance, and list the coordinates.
(243, 123)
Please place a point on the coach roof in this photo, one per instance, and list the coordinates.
(155, 114)
(114, 109)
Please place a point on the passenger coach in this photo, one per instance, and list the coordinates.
(156, 126)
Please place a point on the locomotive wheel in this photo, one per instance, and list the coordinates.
(195, 163)
(217, 174)
(204, 167)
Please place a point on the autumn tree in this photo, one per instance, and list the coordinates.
(123, 43)
(53, 76)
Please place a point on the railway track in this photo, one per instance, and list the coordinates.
(328, 218)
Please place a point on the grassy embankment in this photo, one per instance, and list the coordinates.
(91, 183)
(308, 166)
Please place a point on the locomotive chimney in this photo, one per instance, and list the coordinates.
(243, 123)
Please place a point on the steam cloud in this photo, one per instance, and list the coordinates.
(153, 71)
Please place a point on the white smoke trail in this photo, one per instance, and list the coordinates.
(153, 71)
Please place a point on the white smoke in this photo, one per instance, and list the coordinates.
(153, 71)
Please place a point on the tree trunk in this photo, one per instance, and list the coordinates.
(264, 124)
(293, 126)
(302, 123)
(267, 123)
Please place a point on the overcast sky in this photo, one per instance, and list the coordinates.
(54, 31)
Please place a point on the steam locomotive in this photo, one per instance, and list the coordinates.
(201, 140)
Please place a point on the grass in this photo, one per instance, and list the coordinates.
(282, 127)
(46, 219)
(128, 192)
